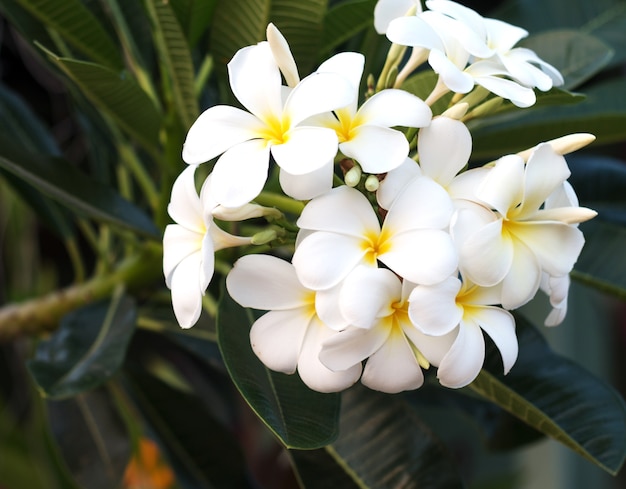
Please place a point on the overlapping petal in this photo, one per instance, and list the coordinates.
(463, 362)
(433, 309)
(186, 290)
(377, 149)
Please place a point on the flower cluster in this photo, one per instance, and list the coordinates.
(406, 262)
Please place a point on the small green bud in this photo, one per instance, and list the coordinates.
(353, 176)
(372, 183)
(264, 237)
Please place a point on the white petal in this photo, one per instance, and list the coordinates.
(186, 291)
(221, 239)
(465, 185)
(413, 31)
(393, 367)
(433, 309)
(393, 107)
(350, 66)
(439, 158)
(500, 326)
(452, 75)
(351, 346)
(433, 348)
(424, 256)
(327, 308)
(307, 149)
(255, 80)
(266, 282)
(503, 186)
(178, 243)
(323, 259)
(185, 206)
(313, 372)
(216, 130)
(461, 27)
(523, 279)
(377, 149)
(422, 204)
(308, 186)
(277, 336)
(502, 35)
(240, 174)
(367, 294)
(343, 210)
(318, 93)
(520, 96)
(207, 261)
(487, 255)
(463, 362)
(282, 55)
(395, 181)
(387, 10)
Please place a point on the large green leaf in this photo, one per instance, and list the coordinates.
(344, 20)
(86, 350)
(558, 398)
(299, 417)
(578, 56)
(602, 113)
(91, 438)
(77, 25)
(194, 17)
(301, 24)
(66, 184)
(174, 54)
(383, 443)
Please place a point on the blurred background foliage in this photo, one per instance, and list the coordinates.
(96, 97)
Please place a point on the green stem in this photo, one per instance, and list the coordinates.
(281, 202)
(43, 314)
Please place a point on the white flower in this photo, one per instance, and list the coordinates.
(290, 335)
(273, 126)
(374, 301)
(387, 10)
(463, 309)
(521, 238)
(365, 134)
(341, 230)
(190, 244)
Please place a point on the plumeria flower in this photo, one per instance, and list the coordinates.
(516, 238)
(290, 335)
(464, 310)
(341, 230)
(387, 10)
(273, 126)
(190, 244)
(365, 132)
(374, 301)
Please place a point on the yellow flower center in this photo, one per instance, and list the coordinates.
(375, 244)
(346, 125)
(275, 131)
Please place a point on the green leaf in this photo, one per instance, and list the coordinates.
(91, 438)
(86, 350)
(345, 20)
(76, 24)
(597, 265)
(299, 417)
(383, 443)
(236, 24)
(117, 95)
(174, 54)
(578, 56)
(558, 398)
(301, 24)
(63, 182)
(317, 469)
(194, 17)
(602, 113)
(421, 84)
(200, 448)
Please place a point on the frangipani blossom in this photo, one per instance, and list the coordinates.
(365, 132)
(290, 335)
(464, 310)
(521, 238)
(190, 244)
(387, 10)
(273, 126)
(341, 230)
(374, 301)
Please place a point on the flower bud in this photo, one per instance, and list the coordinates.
(372, 183)
(353, 176)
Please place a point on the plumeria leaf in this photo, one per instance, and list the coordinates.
(345, 20)
(578, 56)
(174, 53)
(193, 16)
(317, 469)
(301, 24)
(602, 113)
(78, 26)
(553, 394)
(282, 401)
(86, 350)
(116, 94)
(383, 443)
(597, 266)
(91, 438)
(64, 183)
(422, 84)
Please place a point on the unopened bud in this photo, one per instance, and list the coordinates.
(353, 176)
(457, 111)
(564, 145)
(264, 237)
(486, 108)
(372, 183)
